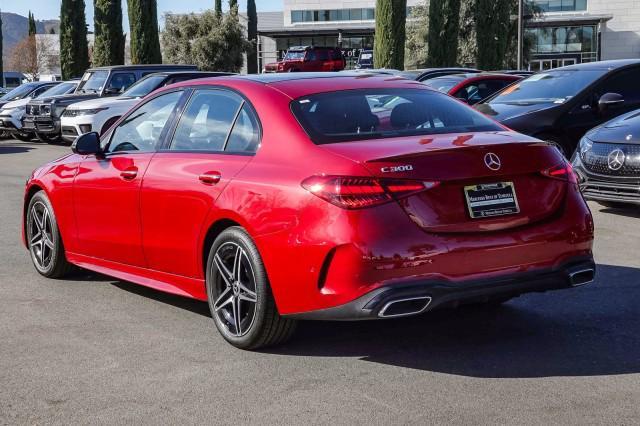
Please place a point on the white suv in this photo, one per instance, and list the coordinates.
(98, 115)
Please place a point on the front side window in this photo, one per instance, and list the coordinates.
(625, 83)
(295, 55)
(93, 81)
(120, 81)
(142, 128)
(352, 115)
(206, 122)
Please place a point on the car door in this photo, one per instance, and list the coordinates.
(214, 139)
(107, 187)
(585, 115)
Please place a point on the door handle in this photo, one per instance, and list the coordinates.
(210, 178)
(129, 173)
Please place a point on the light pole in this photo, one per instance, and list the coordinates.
(520, 32)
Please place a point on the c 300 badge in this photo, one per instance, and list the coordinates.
(397, 169)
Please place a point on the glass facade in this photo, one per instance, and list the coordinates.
(561, 5)
(564, 39)
(333, 15)
(554, 47)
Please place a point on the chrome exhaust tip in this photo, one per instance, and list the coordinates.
(581, 277)
(405, 307)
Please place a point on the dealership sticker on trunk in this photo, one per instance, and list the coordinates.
(493, 199)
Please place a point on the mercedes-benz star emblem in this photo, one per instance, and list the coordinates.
(616, 159)
(492, 161)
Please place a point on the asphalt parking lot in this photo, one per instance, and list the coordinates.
(96, 350)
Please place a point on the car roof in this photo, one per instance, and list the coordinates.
(300, 84)
(478, 75)
(600, 65)
(160, 67)
(186, 72)
(301, 48)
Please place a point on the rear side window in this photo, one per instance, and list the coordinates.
(214, 121)
(384, 113)
(245, 136)
(207, 121)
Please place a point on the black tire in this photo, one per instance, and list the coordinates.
(107, 125)
(51, 139)
(24, 137)
(261, 325)
(48, 256)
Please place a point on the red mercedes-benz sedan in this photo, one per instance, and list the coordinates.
(311, 196)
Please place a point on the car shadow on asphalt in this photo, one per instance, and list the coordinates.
(587, 331)
(630, 211)
(593, 330)
(15, 148)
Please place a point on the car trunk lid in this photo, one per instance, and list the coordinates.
(470, 171)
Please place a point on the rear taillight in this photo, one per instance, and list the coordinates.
(562, 171)
(355, 192)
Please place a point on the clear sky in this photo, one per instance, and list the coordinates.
(50, 9)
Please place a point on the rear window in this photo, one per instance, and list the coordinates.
(385, 113)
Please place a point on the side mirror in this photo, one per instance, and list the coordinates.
(609, 100)
(87, 144)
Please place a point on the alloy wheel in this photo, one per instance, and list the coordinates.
(41, 235)
(235, 295)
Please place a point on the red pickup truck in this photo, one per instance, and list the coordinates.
(309, 58)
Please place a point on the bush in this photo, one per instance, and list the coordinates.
(208, 40)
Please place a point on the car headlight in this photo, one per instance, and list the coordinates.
(45, 110)
(585, 146)
(93, 111)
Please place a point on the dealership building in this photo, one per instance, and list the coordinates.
(567, 32)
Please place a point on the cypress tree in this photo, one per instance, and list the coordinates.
(232, 4)
(492, 32)
(32, 24)
(388, 45)
(218, 7)
(74, 50)
(108, 47)
(252, 35)
(143, 25)
(444, 27)
(1, 63)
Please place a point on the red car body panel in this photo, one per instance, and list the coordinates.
(152, 228)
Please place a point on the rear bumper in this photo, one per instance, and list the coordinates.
(415, 297)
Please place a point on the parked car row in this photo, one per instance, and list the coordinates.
(558, 106)
(30, 110)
